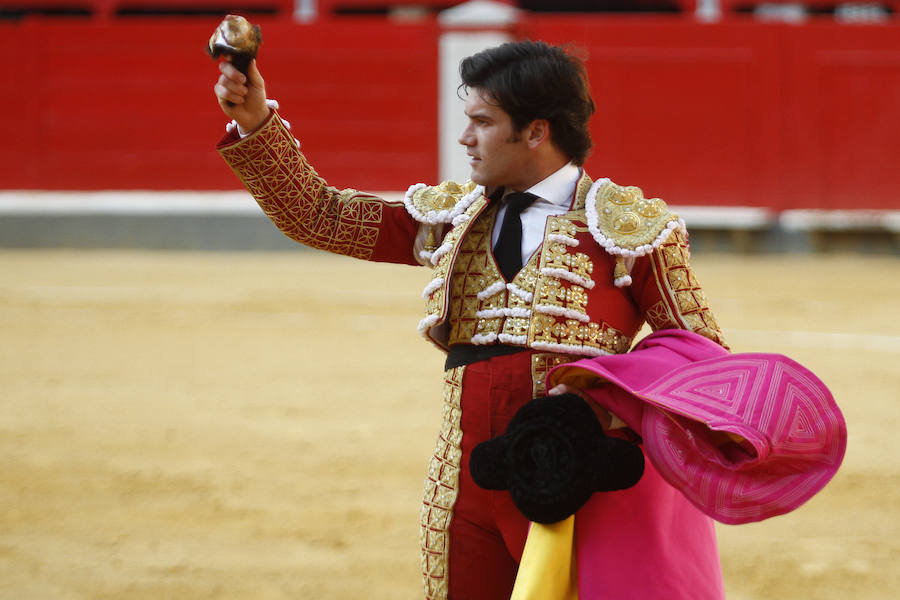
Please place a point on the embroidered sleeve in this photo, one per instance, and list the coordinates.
(306, 209)
(668, 293)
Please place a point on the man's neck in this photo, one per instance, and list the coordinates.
(566, 176)
(559, 186)
(537, 173)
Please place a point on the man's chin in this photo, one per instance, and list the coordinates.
(479, 179)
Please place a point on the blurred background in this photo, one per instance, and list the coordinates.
(756, 118)
(192, 406)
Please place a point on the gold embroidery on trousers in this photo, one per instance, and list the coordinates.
(441, 490)
(541, 363)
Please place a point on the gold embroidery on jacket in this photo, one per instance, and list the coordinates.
(483, 310)
(660, 317)
(472, 274)
(629, 219)
(684, 304)
(459, 239)
(581, 191)
(551, 293)
(561, 227)
(442, 197)
(298, 201)
(561, 322)
(515, 327)
(545, 306)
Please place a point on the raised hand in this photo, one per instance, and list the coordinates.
(242, 97)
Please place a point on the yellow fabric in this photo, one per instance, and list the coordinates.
(548, 570)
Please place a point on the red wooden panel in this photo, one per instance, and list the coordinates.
(110, 97)
(738, 113)
(842, 142)
(130, 104)
(684, 110)
(106, 9)
(21, 119)
(361, 95)
(741, 112)
(285, 7)
(328, 7)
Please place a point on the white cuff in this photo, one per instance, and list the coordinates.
(271, 103)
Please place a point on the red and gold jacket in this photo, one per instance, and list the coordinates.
(612, 262)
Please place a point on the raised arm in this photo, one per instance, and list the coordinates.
(266, 157)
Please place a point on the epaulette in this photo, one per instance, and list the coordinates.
(440, 203)
(626, 224)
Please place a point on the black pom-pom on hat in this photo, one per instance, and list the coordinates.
(553, 456)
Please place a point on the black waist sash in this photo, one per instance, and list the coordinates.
(466, 354)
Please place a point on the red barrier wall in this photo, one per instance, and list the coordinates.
(743, 113)
(736, 113)
(129, 105)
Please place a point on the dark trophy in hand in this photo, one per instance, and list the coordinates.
(237, 37)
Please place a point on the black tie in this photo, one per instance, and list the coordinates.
(508, 250)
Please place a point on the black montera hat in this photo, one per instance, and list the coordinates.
(553, 456)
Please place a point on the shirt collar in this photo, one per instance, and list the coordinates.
(559, 187)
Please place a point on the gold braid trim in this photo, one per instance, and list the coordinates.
(441, 490)
(684, 304)
(624, 222)
(441, 203)
(300, 203)
(581, 191)
(541, 364)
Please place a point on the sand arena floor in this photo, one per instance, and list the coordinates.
(191, 425)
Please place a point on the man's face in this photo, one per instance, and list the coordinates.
(497, 153)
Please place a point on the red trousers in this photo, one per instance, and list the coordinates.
(487, 533)
(647, 541)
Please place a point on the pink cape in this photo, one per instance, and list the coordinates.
(743, 436)
(646, 542)
(738, 437)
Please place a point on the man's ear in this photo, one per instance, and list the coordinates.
(537, 132)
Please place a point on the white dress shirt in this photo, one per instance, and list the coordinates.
(555, 195)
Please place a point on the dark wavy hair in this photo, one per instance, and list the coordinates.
(533, 80)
